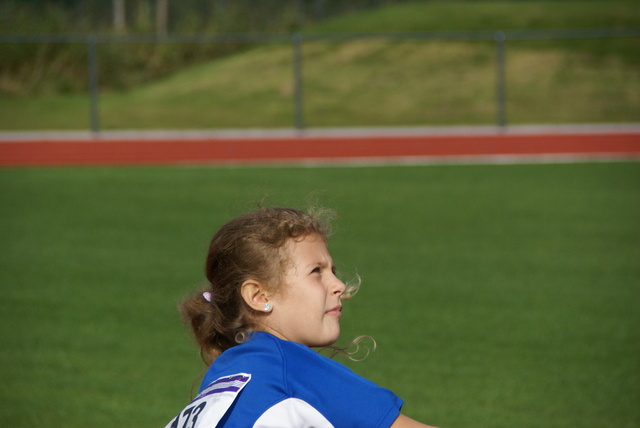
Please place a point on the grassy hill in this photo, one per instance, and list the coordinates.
(386, 83)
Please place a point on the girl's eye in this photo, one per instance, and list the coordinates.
(316, 270)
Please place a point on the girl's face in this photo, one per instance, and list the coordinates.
(308, 309)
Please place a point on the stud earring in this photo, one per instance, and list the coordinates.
(267, 307)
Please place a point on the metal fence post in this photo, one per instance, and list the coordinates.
(93, 83)
(298, 82)
(501, 112)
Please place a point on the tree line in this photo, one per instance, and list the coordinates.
(163, 16)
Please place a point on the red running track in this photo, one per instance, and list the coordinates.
(329, 148)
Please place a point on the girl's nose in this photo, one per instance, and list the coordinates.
(339, 287)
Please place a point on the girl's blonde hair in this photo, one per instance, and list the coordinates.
(250, 246)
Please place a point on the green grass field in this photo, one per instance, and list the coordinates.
(500, 296)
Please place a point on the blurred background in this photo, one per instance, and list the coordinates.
(206, 64)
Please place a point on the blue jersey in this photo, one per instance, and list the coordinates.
(269, 382)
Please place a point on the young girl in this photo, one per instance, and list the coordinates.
(272, 295)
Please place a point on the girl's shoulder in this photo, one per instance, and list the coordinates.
(284, 373)
(293, 367)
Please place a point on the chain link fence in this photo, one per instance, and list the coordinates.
(309, 74)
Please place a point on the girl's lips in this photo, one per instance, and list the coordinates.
(335, 311)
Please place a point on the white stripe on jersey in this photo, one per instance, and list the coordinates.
(292, 413)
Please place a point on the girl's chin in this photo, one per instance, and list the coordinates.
(332, 340)
(327, 342)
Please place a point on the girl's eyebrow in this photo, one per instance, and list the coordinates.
(322, 264)
(316, 264)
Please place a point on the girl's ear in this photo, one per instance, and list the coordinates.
(254, 294)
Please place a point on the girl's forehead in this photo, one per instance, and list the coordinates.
(307, 241)
(307, 247)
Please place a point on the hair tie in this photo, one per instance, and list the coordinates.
(207, 296)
